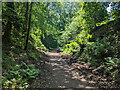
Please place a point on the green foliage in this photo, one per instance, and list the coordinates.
(19, 75)
(70, 25)
(115, 10)
(103, 52)
(30, 71)
(111, 63)
(104, 22)
(83, 37)
(70, 48)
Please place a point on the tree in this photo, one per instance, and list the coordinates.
(29, 26)
(91, 14)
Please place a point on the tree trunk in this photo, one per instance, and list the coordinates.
(28, 27)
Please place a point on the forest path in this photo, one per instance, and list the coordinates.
(61, 75)
(58, 74)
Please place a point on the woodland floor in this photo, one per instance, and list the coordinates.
(58, 74)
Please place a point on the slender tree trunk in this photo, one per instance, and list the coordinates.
(28, 27)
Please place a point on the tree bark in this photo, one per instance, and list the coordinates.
(28, 31)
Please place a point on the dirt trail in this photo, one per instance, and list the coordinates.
(63, 75)
(58, 74)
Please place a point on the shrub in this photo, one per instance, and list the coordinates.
(103, 52)
(70, 48)
(19, 75)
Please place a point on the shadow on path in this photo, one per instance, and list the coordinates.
(61, 75)
(58, 74)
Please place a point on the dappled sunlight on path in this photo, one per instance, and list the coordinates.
(63, 75)
(57, 73)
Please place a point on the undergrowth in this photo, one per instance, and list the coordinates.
(104, 52)
(71, 47)
(20, 66)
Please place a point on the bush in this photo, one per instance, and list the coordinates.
(103, 52)
(19, 75)
(70, 48)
